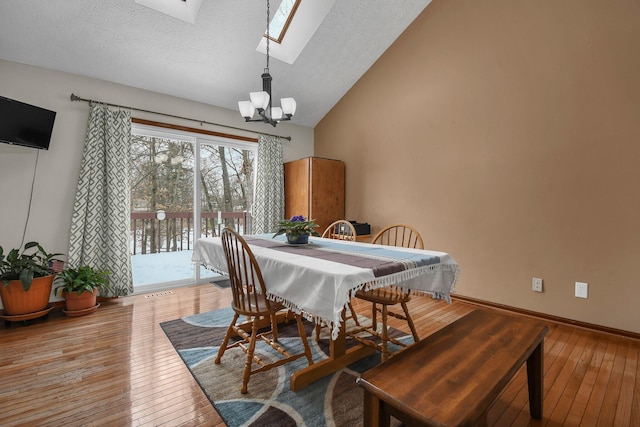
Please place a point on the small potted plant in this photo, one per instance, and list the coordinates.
(297, 229)
(80, 287)
(26, 279)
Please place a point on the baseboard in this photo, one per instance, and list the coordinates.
(552, 318)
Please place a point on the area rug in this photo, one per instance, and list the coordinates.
(335, 400)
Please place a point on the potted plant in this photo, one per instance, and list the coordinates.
(297, 229)
(80, 287)
(27, 277)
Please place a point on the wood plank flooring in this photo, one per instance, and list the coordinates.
(116, 367)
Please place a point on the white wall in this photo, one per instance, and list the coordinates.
(57, 169)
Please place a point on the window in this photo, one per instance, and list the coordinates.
(281, 20)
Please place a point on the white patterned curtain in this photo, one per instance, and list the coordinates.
(268, 204)
(101, 211)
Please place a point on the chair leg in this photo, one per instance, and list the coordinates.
(416, 338)
(274, 327)
(385, 334)
(374, 317)
(225, 341)
(317, 328)
(303, 337)
(353, 314)
(247, 366)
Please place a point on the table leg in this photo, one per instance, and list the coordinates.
(535, 376)
(338, 346)
(374, 413)
(339, 357)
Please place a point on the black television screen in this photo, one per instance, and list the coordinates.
(25, 124)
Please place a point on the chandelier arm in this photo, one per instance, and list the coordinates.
(263, 119)
(266, 118)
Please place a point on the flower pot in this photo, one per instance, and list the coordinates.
(300, 240)
(17, 301)
(79, 302)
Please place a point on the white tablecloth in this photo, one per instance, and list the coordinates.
(319, 288)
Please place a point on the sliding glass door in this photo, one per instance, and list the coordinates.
(225, 187)
(171, 208)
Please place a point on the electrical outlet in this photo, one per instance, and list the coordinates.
(582, 290)
(536, 285)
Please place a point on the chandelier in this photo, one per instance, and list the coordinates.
(261, 101)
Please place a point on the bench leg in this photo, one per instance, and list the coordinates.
(535, 381)
(374, 413)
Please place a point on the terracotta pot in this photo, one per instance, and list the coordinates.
(17, 302)
(83, 301)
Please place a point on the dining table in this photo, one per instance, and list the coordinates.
(318, 280)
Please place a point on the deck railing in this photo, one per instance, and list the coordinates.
(176, 232)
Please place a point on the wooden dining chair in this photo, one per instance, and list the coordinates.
(394, 235)
(249, 299)
(399, 235)
(340, 230)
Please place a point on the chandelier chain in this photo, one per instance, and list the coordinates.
(268, 5)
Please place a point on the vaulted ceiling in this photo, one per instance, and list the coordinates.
(213, 60)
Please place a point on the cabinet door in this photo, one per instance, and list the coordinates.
(296, 188)
(326, 191)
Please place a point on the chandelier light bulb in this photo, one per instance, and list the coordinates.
(276, 113)
(288, 106)
(246, 109)
(260, 100)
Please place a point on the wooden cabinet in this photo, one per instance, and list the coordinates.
(314, 187)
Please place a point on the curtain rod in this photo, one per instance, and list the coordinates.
(77, 98)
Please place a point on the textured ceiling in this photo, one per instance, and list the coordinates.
(213, 61)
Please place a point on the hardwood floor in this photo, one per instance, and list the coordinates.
(116, 367)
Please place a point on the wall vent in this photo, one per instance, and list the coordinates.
(158, 294)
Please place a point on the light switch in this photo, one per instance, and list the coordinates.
(582, 289)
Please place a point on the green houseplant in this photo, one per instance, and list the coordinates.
(27, 278)
(80, 287)
(297, 229)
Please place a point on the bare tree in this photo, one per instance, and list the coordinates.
(162, 177)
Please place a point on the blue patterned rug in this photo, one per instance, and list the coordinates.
(331, 401)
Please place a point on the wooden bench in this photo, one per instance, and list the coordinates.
(451, 378)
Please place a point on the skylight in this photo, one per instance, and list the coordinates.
(308, 17)
(281, 20)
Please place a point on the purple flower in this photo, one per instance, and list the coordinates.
(297, 226)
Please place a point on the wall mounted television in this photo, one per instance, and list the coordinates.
(25, 124)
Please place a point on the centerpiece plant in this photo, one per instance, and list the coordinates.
(297, 229)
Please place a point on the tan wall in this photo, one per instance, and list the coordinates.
(508, 133)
